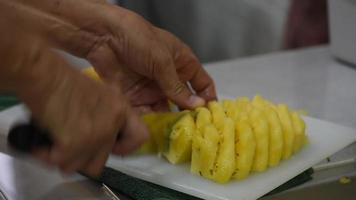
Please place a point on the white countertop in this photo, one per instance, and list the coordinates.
(308, 79)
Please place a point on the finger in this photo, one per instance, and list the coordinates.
(105, 62)
(95, 165)
(191, 70)
(133, 135)
(202, 83)
(148, 94)
(178, 92)
(188, 66)
(74, 165)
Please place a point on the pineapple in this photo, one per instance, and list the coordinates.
(226, 140)
(276, 134)
(217, 113)
(180, 140)
(245, 146)
(299, 128)
(203, 118)
(230, 108)
(225, 161)
(260, 128)
(288, 132)
(208, 145)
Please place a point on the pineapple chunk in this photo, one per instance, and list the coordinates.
(225, 161)
(180, 140)
(276, 137)
(230, 108)
(243, 106)
(208, 145)
(203, 118)
(288, 132)
(217, 113)
(245, 149)
(260, 128)
(159, 126)
(299, 129)
(275, 130)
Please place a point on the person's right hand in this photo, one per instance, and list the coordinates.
(85, 118)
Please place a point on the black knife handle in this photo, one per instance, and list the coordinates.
(26, 137)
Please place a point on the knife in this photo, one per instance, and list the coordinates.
(26, 137)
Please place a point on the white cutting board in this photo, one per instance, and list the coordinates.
(325, 139)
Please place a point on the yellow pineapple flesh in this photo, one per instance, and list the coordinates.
(228, 139)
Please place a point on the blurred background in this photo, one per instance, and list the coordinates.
(237, 28)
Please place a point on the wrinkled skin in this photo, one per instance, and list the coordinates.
(142, 67)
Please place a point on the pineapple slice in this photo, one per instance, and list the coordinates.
(288, 132)
(180, 140)
(230, 109)
(217, 113)
(203, 118)
(243, 106)
(208, 145)
(260, 128)
(275, 130)
(225, 161)
(299, 129)
(276, 137)
(159, 126)
(245, 148)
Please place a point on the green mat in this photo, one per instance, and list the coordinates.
(7, 100)
(141, 190)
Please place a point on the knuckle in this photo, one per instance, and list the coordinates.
(177, 89)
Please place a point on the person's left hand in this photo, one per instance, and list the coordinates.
(151, 64)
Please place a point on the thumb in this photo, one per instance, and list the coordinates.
(176, 90)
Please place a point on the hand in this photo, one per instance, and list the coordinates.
(149, 63)
(85, 118)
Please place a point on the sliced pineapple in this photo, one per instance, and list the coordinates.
(275, 137)
(203, 118)
(180, 140)
(288, 132)
(243, 106)
(217, 113)
(230, 108)
(208, 145)
(260, 128)
(245, 146)
(225, 161)
(299, 129)
(229, 139)
(160, 126)
(275, 130)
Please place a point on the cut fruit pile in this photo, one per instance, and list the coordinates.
(228, 139)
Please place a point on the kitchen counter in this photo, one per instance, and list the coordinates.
(308, 79)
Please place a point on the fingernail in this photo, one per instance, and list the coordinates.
(195, 101)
